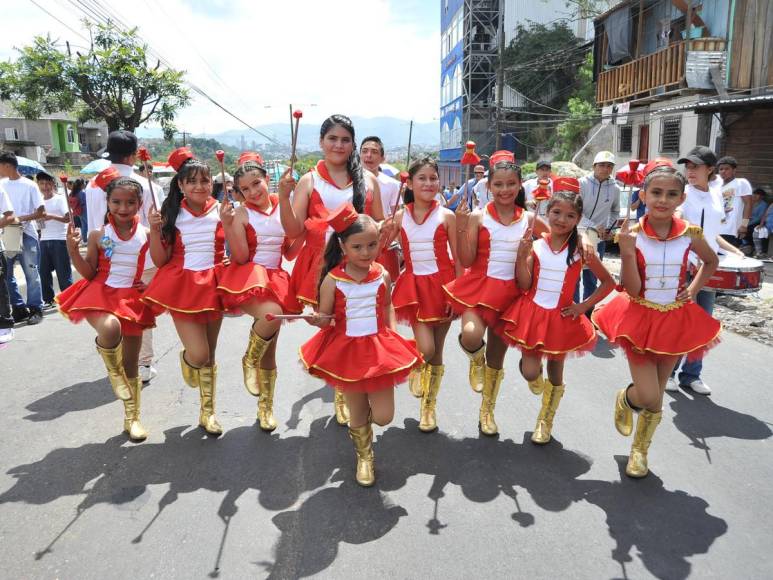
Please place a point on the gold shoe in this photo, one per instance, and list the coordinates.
(477, 362)
(428, 418)
(342, 409)
(266, 383)
(256, 348)
(645, 429)
(131, 408)
(207, 388)
(551, 397)
(623, 413)
(417, 379)
(363, 446)
(190, 373)
(492, 379)
(113, 359)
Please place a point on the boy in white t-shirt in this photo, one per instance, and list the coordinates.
(53, 239)
(6, 317)
(737, 201)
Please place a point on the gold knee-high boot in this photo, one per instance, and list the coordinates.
(266, 383)
(342, 409)
(113, 359)
(207, 388)
(477, 362)
(623, 412)
(492, 379)
(645, 429)
(362, 437)
(131, 417)
(190, 373)
(417, 379)
(256, 348)
(428, 417)
(551, 397)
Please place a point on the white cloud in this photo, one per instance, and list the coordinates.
(356, 57)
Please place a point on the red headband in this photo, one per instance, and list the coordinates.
(340, 219)
(566, 184)
(106, 177)
(179, 156)
(499, 156)
(250, 156)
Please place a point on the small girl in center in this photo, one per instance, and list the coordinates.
(358, 350)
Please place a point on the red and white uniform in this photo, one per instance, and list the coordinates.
(186, 285)
(359, 352)
(325, 197)
(112, 289)
(390, 194)
(418, 295)
(489, 284)
(533, 323)
(654, 322)
(262, 277)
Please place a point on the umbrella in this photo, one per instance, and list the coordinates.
(389, 170)
(96, 166)
(28, 166)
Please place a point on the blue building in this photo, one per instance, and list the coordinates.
(451, 89)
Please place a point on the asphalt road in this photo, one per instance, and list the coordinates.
(77, 500)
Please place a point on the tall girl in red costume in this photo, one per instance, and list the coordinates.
(545, 323)
(187, 245)
(650, 319)
(360, 352)
(338, 178)
(428, 239)
(254, 281)
(108, 296)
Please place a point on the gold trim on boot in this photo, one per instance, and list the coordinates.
(266, 384)
(417, 379)
(428, 417)
(113, 359)
(623, 412)
(190, 373)
(131, 408)
(342, 409)
(492, 379)
(551, 397)
(645, 429)
(477, 362)
(362, 437)
(207, 389)
(256, 348)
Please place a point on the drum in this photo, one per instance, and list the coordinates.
(737, 275)
(12, 238)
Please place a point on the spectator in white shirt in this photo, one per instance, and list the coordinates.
(372, 156)
(737, 201)
(53, 239)
(6, 315)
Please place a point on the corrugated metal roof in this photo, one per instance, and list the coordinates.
(717, 103)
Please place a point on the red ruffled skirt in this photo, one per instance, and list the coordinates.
(644, 332)
(186, 294)
(489, 296)
(304, 280)
(534, 329)
(239, 284)
(389, 258)
(421, 298)
(361, 363)
(91, 296)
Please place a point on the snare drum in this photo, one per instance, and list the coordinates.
(12, 238)
(737, 276)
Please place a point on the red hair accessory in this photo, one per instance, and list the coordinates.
(179, 156)
(542, 193)
(655, 163)
(143, 154)
(106, 177)
(470, 157)
(499, 156)
(249, 156)
(340, 219)
(566, 184)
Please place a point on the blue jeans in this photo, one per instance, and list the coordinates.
(54, 257)
(589, 280)
(29, 258)
(691, 370)
(6, 316)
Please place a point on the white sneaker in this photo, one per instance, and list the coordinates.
(671, 385)
(698, 386)
(147, 373)
(6, 335)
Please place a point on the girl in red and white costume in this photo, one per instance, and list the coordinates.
(337, 179)
(428, 240)
(108, 297)
(187, 245)
(650, 319)
(545, 323)
(360, 352)
(254, 281)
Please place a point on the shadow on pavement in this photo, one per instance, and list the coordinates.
(324, 394)
(78, 397)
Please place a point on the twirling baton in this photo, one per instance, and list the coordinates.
(297, 114)
(144, 156)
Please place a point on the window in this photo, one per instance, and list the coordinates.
(70, 135)
(670, 132)
(624, 138)
(11, 134)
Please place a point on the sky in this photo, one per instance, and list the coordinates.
(365, 58)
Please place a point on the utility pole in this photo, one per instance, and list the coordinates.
(500, 74)
(185, 135)
(410, 136)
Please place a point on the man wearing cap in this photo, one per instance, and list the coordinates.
(736, 200)
(121, 150)
(600, 211)
(469, 189)
(543, 172)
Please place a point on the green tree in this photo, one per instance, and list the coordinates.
(113, 81)
(571, 133)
